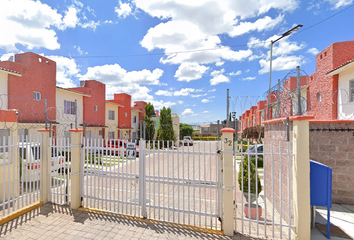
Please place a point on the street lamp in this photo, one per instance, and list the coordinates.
(271, 56)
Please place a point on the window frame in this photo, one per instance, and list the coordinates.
(111, 114)
(69, 109)
(95, 108)
(37, 96)
(134, 119)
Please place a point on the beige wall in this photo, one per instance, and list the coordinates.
(345, 107)
(111, 124)
(3, 90)
(66, 119)
(135, 126)
(175, 122)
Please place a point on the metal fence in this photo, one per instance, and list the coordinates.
(168, 182)
(20, 172)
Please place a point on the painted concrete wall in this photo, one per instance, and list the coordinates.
(38, 75)
(3, 91)
(135, 126)
(64, 119)
(345, 107)
(112, 125)
(97, 91)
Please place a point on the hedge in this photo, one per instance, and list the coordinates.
(205, 138)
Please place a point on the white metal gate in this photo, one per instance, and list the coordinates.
(180, 184)
(271, 215)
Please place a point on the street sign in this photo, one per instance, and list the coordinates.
(131, 150)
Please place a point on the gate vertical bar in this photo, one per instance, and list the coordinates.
(228, 186)
(142, 178)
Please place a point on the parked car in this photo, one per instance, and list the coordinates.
(30, 153)
(252, 150)
(119, 144)
(187, 140)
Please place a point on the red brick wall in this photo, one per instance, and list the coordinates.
(140, 105)
(275, 137)
(330, 58)
(38, 76)
(125, 100)
(97, 90)
(336, 150)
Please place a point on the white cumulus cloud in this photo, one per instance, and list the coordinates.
(248, 78)
(219, 79)
(206, 100)
(239, 72)
(188, 113)
(188, 71)
(123, 10)
(313, 51)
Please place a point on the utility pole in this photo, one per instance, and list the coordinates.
(227, 107)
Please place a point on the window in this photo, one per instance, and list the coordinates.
(69, 107)
(319, 98)
(110, 135)
(96, 108)
(36, 95)
(125, 114)
(134, 119)
(351, 89)
(100, 132)
(262, 116)
(110, 115)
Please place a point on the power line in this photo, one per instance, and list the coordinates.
(206, 49)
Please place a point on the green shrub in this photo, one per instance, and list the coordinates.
(252, 177)
(259, 162)
(205, 138)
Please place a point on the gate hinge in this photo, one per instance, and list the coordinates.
(82, 199)
(218, 151)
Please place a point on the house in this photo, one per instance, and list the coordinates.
(328, 96)
(30, 87)
(124, 116)
(5, 115)
(112, 111)
(94, 108)
(67, 103)
(137, 113)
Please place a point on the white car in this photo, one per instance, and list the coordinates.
(30, 153)
(187, 140)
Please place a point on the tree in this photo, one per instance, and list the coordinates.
(149, 110)
(165, 132)
(185, 130)
(149, 126)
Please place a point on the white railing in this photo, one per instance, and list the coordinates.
(20, 172)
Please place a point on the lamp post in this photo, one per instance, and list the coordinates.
(271, 58)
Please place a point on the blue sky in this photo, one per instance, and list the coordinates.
(180, 54)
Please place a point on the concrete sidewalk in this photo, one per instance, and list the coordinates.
(342, 216)
(58, 222)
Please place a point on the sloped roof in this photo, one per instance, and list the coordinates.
(334, 71)
(10, 71)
